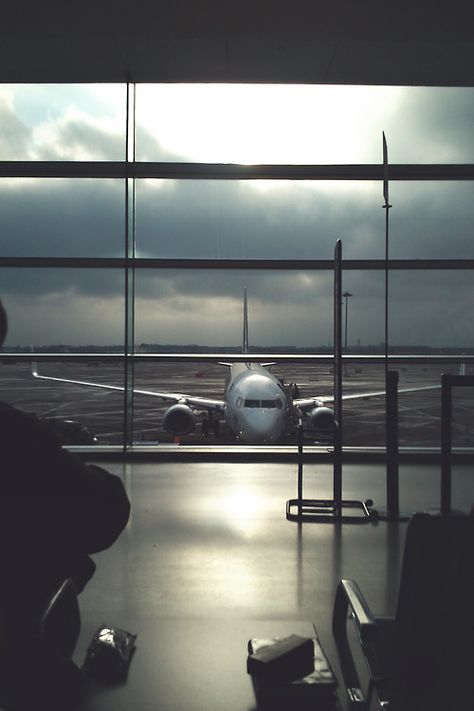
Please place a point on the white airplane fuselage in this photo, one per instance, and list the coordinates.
(257, 406)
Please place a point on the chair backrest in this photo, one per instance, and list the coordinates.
(37, 642)
(60, 623)
(433, 643)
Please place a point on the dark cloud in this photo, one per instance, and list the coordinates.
(62, 218)
(432, 220)
(238, 219)
(30, 283)
(432, 126)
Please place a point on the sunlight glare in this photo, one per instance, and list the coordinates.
(241, 508)
(251, 124)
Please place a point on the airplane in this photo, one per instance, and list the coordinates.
(257, 407)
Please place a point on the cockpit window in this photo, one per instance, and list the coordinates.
(267, 404)
(239, 402)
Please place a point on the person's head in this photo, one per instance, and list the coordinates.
(3, 324)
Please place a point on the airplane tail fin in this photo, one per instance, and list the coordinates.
(245, 341)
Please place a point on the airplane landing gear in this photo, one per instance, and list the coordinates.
(210, 426)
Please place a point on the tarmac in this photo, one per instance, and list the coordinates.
(102, 411)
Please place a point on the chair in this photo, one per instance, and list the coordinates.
(422, 658)
(60, 623)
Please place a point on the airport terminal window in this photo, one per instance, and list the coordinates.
(432, 219)
(80, 415)
(430, 311)
(363, 315)
(64, 310)
(258, 219)
(58, 217)
(201, 310)
(87, 268)
(215, 123)
(56, 122)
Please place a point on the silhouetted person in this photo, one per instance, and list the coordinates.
(54, 511)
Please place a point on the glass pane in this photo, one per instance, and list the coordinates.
(287, 310)
(79, 415)
(207, 379)
(419, 411)
(204, 308)
(62, 122)
(202, 311)
(259, 219)
(363, 321)
(462, 429)
(363, 419)
(64, 309)
(238, 123)
(431, 220)
(62, 218)
(430, 311)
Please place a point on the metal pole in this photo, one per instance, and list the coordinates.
(129, 273)
(300, 467)
(345, 327)
(338, 379)
(386, 206)
(446, 442)
(393, 509)
(389, 422)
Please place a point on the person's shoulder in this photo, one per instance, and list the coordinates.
(10, 413)
(14, 414)
(20, 425)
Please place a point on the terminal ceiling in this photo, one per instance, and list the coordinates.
(331, 42)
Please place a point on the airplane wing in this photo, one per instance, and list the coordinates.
(306, 403)
(309, 402)
(192, 400)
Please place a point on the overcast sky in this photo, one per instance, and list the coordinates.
(236, 219)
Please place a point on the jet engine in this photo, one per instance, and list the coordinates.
(322, 419)
(179, 419)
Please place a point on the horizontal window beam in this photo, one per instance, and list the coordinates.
(10, 357)
(264, 264)
(213, 171)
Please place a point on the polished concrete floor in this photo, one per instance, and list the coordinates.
(209, 544)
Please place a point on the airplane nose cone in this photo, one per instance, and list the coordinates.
(260, 427)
